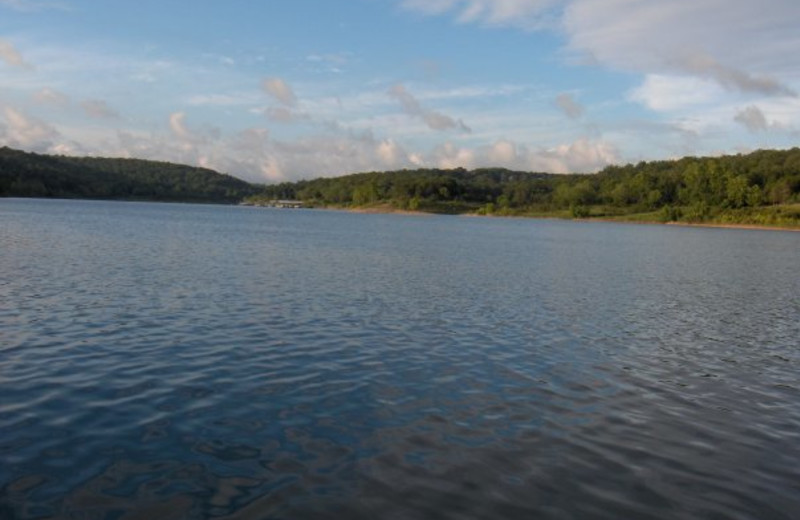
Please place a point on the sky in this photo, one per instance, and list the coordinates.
(292, 89)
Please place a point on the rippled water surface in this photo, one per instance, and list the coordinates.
(164, 361)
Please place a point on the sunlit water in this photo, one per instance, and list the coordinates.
(164, 361)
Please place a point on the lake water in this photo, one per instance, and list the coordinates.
(164, 361)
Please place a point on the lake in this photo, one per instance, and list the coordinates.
(166, 361)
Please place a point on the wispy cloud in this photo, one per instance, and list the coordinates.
(11, 56)
(435, 120)
(98, 109)
(32, 5)
(734, 79)
(703, 38)
(49, 96)
(700, 38)
(280, 91)
(526, 14)
(753, 119)
(569, 105)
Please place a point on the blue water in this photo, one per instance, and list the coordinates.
(164, 361)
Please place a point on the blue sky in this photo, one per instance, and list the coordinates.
(283, 90)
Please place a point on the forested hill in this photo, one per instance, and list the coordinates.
(438, 190)
(24, 174)
(762, 187)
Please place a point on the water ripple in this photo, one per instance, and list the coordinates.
(177, 361)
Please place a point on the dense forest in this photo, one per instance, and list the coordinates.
(25, 174)
(762, 187)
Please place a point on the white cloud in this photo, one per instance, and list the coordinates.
(703, 38)
(503, 152)
(449, 155)
(745, 46)
(390, 153)
(178, 126)
(569, 105)
(28, 132)
(666, 93)
(11, 56)
(435, 120)
(280, 90)
(527, 14)
(581, 156)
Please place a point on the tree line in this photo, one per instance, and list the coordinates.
(691, 189)
(761, 187)
(24, 174)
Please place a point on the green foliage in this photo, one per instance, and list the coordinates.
(670, 214)
(693, 189)
(689, 189)
(32, 175)
(579, 211)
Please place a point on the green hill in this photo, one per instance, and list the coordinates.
(760, 188)
(24, 174)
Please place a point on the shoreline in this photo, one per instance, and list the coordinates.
(732, 226)
(386, 210)
(379, 210)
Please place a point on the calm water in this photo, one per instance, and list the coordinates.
(164, 361)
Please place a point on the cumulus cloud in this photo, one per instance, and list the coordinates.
(569, 106)
(280, 91)
(11, 56)
(753, 119)
(28, 132)
(98, 109)
(581, 156)
(435, 120)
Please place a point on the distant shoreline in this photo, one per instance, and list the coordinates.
(388, 210)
